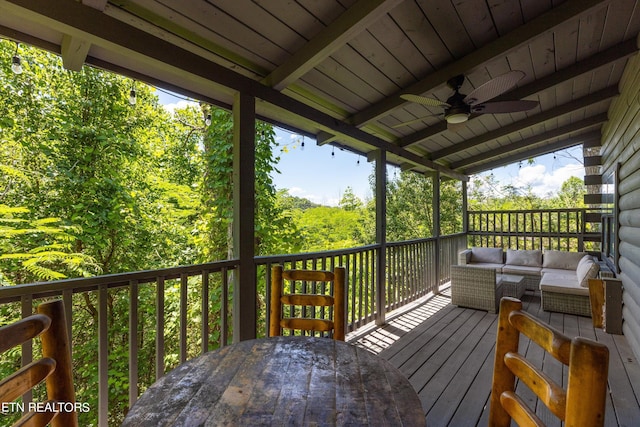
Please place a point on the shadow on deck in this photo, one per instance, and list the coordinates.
(447, 354)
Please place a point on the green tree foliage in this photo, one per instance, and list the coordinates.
(38, 249)
(290, 203)
(349, 201)
(486, 193)
(325, 228)
(571, 193)
(410, 207)
(92, 184)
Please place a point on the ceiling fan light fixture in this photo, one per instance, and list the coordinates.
(455, 118)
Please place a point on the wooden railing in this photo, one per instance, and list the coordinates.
(360, 264)
(205, 285)
(560, 229)
(417, 267)
(151, 321)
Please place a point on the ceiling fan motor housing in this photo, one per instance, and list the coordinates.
(458, 111)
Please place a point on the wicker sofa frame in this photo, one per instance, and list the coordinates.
(475, 288)
(531, 281)
(478, 293)
(565, 303)
(569, 303)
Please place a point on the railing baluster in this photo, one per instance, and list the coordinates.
(103, 357)
(26, 303)
(224, 306)
(183, 317)
(133, 342)
(159, 327)
(360, 287)
(204, 310)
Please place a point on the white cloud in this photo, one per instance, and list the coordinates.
(177, 105)
(542, 182)
(296, 191)
(321, 200)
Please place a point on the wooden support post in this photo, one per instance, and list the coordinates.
(465, 208)
(596, 298)
(436, 229)
(613, 306)
(380, 158)
(245, 281)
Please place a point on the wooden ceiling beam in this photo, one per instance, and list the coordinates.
(563, 109)
(587, 123)
(614, 53)
(499, 47)
(74, 50)
(534, 152)
(323, 138)
(333, 37)
(96, 4)
(75, 19)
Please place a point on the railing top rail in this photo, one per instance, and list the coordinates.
(113, 280)
(270, 259)
(44, 289)
(516, 211)
(425, 239)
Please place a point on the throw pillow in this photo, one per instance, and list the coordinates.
(487, 255)
(527, 258)
(587, 269)
(563, 260)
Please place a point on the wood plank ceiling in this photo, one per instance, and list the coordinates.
(335, 69)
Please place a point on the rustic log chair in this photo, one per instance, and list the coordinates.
(54, 367)
(581, 404)
(309, 300)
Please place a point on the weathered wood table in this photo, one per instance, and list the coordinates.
(281, 381)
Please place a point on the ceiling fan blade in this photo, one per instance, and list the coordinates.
(504, 107)
(410, 122)
(424, 100)
(494, 87)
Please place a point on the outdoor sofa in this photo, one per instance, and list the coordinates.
(561, 276)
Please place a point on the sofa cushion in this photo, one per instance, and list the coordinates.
(587, 269)
(496, 267)
(522, 270)
(556, 270)
(562, 259)
(566, 283)
(487, 255)
(527, 258)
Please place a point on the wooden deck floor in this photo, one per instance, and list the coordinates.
(447, 354)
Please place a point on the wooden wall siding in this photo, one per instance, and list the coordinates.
(621, 144)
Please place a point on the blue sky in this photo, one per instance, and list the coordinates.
(314, 173)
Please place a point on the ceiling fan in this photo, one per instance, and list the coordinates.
(459, 106)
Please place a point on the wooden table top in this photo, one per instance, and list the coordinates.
(281, 381)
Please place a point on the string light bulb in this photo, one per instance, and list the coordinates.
(132, 95)
(16, 63)
(333, 152)
(207, 120)
(302, 144)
